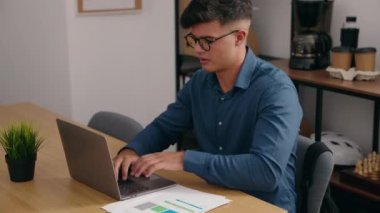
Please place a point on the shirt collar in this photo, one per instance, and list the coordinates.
(244, 77)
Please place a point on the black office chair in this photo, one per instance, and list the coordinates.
(310, 200)
(187, 66)
(114, 124)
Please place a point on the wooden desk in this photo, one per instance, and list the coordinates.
(52, 189)
(321, 80)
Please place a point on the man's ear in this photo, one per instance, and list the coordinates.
(241, 37)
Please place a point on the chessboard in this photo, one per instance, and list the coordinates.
(366, 174)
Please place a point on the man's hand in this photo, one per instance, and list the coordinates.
(150, 163)
(123, 161)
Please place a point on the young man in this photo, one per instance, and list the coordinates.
(245, 113)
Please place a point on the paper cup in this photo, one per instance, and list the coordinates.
(365, 59)
(341, 57)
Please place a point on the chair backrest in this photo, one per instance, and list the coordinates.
(313, 194)
(117, 125)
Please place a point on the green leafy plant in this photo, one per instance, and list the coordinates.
(20, 141)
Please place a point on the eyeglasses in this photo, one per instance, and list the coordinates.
(204, 42)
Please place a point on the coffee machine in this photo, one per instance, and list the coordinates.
(310, 39)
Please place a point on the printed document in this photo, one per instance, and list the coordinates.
(171, 200)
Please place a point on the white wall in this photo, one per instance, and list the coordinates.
(77, 65)
(33, 54)
(348, 115)
(124, 62)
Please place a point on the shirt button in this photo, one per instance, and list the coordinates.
(220, 148)
(220, 123)
(222, 98)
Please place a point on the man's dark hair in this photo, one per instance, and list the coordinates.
(224, 11)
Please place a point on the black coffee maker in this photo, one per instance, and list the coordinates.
(310, 39)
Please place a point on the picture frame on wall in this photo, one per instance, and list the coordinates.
(107, 6)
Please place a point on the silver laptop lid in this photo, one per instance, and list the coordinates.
(88, 158)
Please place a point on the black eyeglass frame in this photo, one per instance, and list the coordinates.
(202, 41)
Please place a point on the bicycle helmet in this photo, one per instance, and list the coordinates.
(345, 151)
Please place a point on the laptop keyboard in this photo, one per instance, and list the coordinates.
(129, 187)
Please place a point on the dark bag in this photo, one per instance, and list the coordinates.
(311, 156)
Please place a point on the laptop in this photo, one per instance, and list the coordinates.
(89, 162)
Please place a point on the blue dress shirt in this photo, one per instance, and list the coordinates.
(247, 136)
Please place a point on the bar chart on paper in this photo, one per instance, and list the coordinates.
(168, 207)
(177, 199)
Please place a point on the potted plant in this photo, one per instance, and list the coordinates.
(21, 144)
